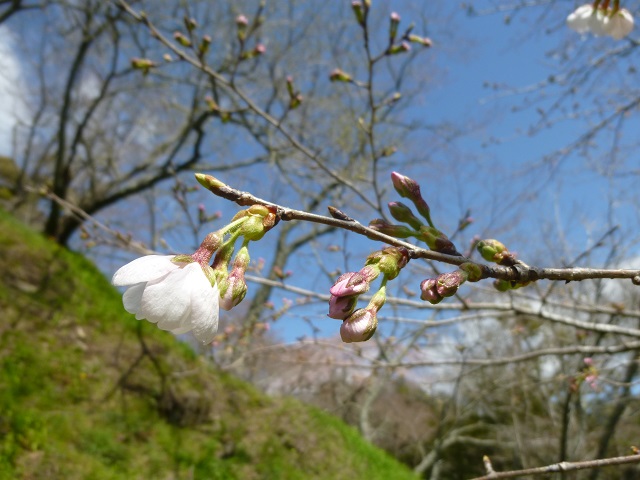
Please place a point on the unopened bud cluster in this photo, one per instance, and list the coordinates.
(250, 224)
(434, 238)
(359, 325)
(434, 290)
(494, 251)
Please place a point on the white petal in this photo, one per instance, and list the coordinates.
(579, 19)
(167, 298)
(144, 269)
(620, 24)
(204, 307)
(132, 298)
(177, 325)
(598, 23)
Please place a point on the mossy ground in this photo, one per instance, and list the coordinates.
(86, 391)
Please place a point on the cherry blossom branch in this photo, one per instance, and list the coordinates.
(557, 467)
(516, 273)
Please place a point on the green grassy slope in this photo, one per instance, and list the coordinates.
(88, 392)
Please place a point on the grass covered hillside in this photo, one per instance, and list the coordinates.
(88, 392)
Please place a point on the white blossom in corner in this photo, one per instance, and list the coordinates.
(578, 20)
(620, 24)
(177, 296)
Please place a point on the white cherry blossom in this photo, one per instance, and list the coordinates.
(578, 20)
(178, 297)
(620, 24)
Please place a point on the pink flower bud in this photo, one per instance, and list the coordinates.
(429, 291)
(341, 307)
(360, 326)
(236, 287)
(409, 188)
(353, 283)
(447, 284)
(393, 26)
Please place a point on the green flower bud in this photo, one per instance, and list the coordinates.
(261, 220)
(209, 182)
(473, 270)
(502, 285)
(490, 248)
(204, 45)
(181, 39)
(397, 231)
(338, 75)
(394, 21)
(436, 240)
(409, 188)
(399, 48)
(494, 251)
(359, 12)
(190, 24)
(403, 213)
(389, 261)
(424, 41)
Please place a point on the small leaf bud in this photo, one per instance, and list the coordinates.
(181, 39)
(399, 48)
(358, 10)
(338, 75)
(242, 23)
(424, 41)
(394, 21)
(209, 181)
(190, 24)
(204, 45)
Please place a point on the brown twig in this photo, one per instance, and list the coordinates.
(557, 467)
(517, 273)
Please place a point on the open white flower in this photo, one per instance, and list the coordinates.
(178, 296)
(598, 22)
(578, 20)
(620, 24)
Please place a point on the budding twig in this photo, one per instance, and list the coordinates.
(519, 272)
